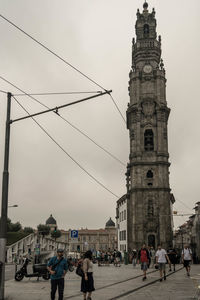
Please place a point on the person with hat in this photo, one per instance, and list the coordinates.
(57, 267)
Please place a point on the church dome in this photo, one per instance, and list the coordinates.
(110, 223)
(50, 221)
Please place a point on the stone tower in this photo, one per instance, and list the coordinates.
(149, 201)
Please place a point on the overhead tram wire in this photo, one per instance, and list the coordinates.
(3, 92)
(115, 104)
(52, 52)
(77, 163)
(62, 59)
(65, 120)
(183, 204)
(58, 93)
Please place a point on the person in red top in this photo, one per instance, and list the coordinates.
(143, 257)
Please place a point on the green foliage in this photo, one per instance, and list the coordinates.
(43, 229)
(13, 237)
(56, 234)
(14, 227)
(28, 230)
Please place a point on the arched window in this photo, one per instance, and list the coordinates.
(150, 208)
(146, 30)
(149, 174)
(148, 140)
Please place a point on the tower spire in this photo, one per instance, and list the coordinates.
(145, 5)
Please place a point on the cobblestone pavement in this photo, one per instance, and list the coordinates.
(114, 283)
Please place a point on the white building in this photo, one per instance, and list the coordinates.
(121, 219)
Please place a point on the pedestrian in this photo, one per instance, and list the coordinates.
(99, 258)
(87, 282)
(171, 252)
(143, 258)
(153, 256)
(118, 259)
(57, 267)
(161, 259)
(134, 257)
(187, 258)
(149, 262)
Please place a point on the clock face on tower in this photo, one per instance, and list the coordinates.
(147, 69)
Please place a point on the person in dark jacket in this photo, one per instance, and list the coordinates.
(143, 258)
(172, 257)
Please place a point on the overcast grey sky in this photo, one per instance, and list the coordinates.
(95, 36)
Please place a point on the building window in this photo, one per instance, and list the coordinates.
(148, 140)
(150, 208)
(149, 174)
(146, 30)
(124, 214)
(122, 235)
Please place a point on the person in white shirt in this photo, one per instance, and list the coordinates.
(161, 259)
(187, 258)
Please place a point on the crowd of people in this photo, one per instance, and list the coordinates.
(147, 257)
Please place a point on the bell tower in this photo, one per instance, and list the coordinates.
(149, 198)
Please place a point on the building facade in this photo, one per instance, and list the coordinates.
(149, 198)
(122, 223)
(104, 239)
(189, 234)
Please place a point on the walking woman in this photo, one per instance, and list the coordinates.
(87, 282)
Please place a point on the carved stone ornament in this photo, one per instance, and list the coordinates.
(148, 108)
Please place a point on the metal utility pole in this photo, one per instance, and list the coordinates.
(4, 201)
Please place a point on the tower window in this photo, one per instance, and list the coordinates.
(149, 174)
(148, 140)
(146, 30)
(150, 208)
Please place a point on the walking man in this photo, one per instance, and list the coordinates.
(172, 257)
(161, 259)
(187, 258)
(143, 257)
(58, 267)
(134, 257)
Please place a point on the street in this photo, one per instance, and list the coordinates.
(10, 271)
(113, 283)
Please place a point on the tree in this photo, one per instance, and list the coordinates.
(43, 229)
(56, 234)
(28, 230)
(8, 224)
(14, 227)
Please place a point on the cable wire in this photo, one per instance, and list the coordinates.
(62, 59)
(65, 120)
(117, 108)
(58, 93)
(52, 52)
(183, 204)
(3, 92)
(78, 164)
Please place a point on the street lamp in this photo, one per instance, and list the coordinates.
(15, 205)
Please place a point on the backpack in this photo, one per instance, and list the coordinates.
(79, 270)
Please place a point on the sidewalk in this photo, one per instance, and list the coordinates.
(110, 282)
